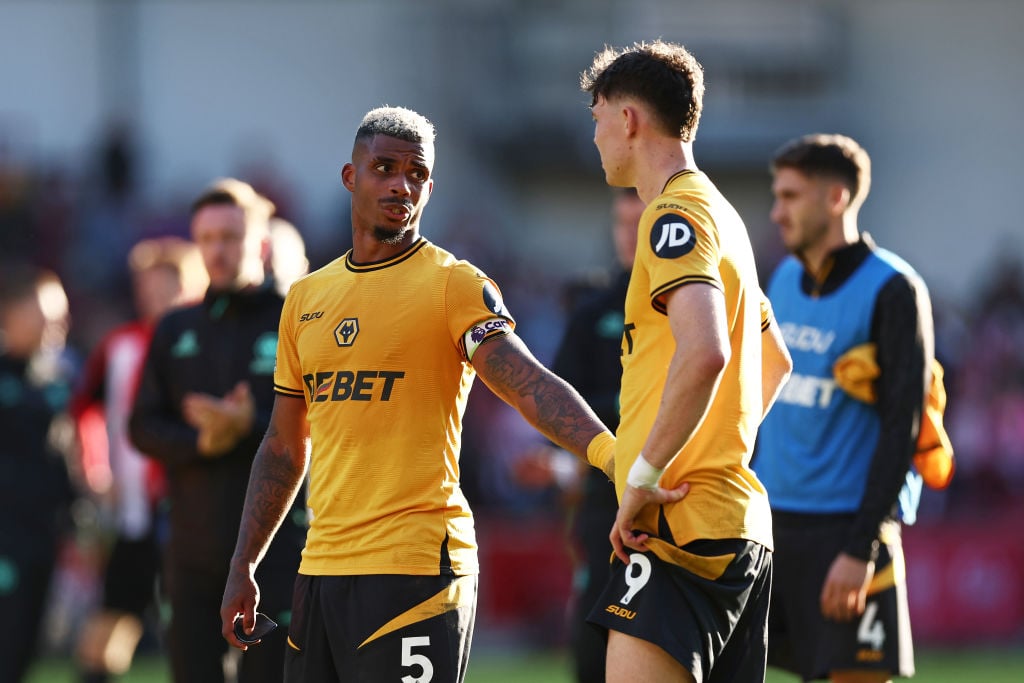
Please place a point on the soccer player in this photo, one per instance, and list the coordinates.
(688, 595)
(834, 465)
(378, 351)
(203, 404)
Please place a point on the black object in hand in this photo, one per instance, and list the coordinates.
(264, 625)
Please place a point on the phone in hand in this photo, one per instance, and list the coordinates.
(264, 625)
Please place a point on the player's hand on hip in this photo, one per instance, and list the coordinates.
(845, 592)
(623, 534)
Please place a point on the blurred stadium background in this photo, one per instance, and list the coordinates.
(113, 113)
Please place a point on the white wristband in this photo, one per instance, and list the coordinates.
(643, 475)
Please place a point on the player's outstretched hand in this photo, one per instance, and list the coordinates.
(241, 596)
(633, 501)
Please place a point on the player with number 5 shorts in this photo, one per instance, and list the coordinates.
(378, 351)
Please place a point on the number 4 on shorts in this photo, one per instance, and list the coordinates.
(871, 631)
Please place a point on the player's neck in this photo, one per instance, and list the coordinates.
(817, 257)
(368, 248)
(658, 162)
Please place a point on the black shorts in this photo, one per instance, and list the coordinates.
(129, 583)
(380, 628)
(710, 615)
(803, 641)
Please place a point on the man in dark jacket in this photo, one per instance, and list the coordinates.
(35, 490)
(202, 408)
(590, 358)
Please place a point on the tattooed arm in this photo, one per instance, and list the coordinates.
(277, 473)
(545, 400)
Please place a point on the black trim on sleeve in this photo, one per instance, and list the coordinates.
(657, 296)
(901, 327)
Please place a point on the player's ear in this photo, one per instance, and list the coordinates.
(348, 176)
(630, 119)
(838, 198)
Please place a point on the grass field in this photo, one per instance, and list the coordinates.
(959, 666)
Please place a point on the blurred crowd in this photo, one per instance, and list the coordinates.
(982, 349)
(81, 224)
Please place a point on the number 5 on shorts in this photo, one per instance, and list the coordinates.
(422, 661)
(636, 580)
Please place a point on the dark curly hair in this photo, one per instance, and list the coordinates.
(663, 75)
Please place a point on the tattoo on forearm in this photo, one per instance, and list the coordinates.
(561, 414)
(273, 483)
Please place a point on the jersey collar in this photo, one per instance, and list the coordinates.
(386, 263)
(676, 176)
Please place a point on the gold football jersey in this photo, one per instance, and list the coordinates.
(691, 234)
(378, 352)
